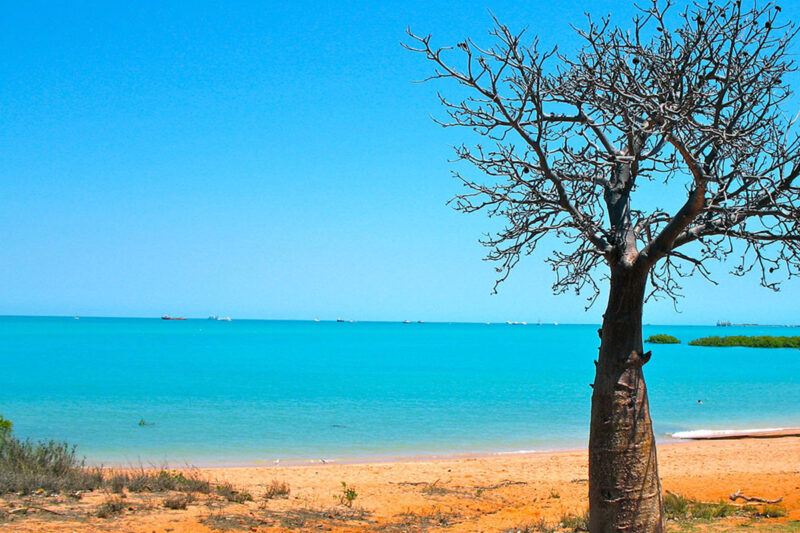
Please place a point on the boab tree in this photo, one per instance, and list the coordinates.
(696, 110)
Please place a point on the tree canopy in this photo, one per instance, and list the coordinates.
(570, 137)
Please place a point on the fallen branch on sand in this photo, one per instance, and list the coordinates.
(24, 510)
(500, 485)
(739, 495)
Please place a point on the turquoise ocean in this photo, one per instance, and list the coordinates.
(256, 391)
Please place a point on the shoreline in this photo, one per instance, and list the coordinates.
(696, 436)
(362, 460)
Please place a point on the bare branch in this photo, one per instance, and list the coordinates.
(697, 107)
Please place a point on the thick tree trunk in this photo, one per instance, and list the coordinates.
(624, 487)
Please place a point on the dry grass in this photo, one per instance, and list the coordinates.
(178, 502)
(276, 489)
(110, 507)
(227, 491)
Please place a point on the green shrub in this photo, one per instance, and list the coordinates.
(5, 428)
(661, 338)
(26, 466)
(348, 495)
(764, 341)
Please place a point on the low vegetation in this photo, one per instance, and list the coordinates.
(227, 491)
(435, 489)
(348, 495)
(162, 480)
(32, 473)
(569, 523)
(772, 511)
(5, 427)
(48, 466)
(680, 508)
(573, 522)
(422, 521)
(178, 502)
(110, 508)
(662, 338)
(276, 489)
(763, 341)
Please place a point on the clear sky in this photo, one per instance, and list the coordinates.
(264, 160)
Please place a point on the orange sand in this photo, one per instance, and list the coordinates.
(486, 494)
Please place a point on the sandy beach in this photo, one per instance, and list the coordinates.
(486, 494)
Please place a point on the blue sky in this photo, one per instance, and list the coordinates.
(265, 160)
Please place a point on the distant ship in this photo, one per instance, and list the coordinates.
(220, 318)
(167, 317)
(340, 320)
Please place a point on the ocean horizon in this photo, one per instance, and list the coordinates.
(150, 391)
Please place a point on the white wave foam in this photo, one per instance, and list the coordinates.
(520, 452)
(707, 433)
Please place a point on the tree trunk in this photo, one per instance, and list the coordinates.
(624, 487)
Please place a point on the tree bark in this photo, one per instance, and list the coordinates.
(624, 487)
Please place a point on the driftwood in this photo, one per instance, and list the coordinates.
(739, 495)
(24, 510)
(505, 483)
(735, 496)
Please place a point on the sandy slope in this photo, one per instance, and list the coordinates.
(468, 494)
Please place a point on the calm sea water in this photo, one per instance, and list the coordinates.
(249, 391)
